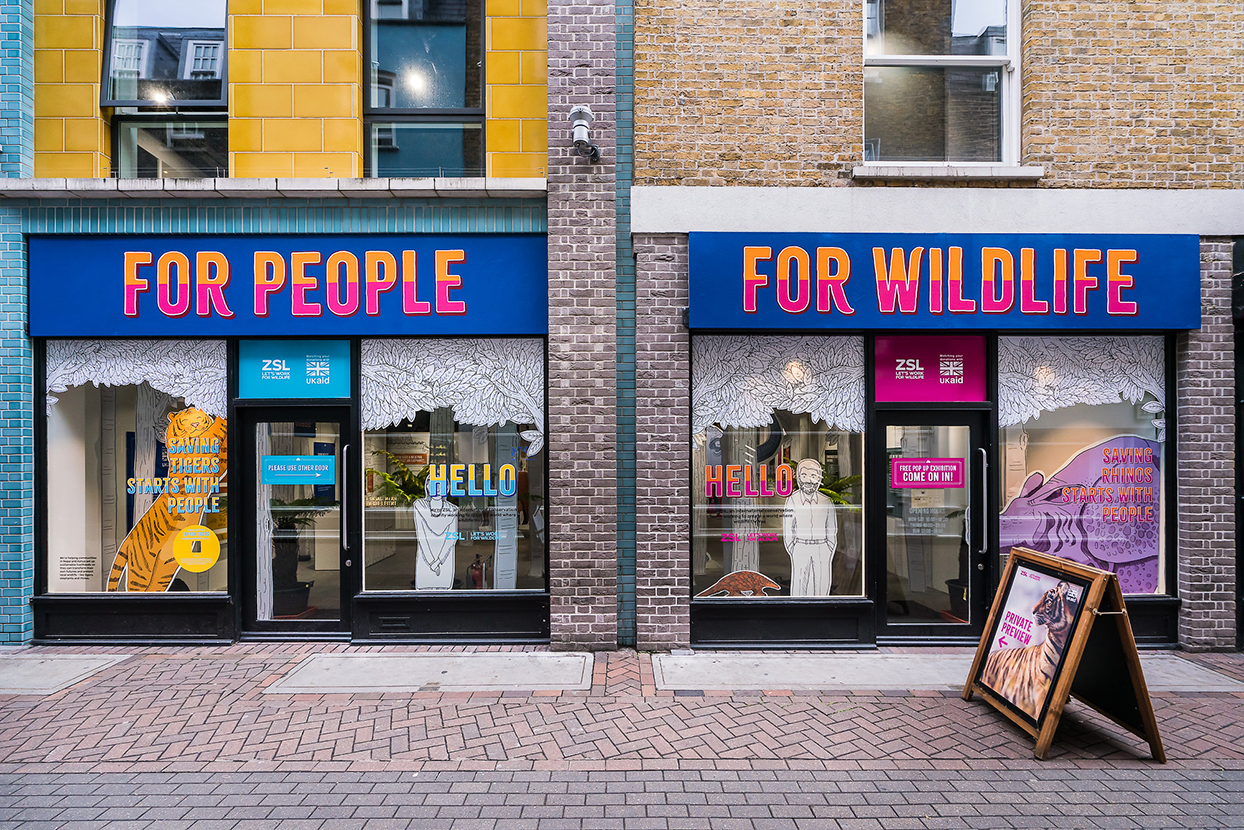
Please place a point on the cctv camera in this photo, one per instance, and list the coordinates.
(580, 123)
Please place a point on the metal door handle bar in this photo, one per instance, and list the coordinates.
(345, 467)
(984, 486)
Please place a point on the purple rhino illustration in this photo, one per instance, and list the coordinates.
(1062, 515)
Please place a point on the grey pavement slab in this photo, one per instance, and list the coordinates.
(1163, 672)
(448, 672)
(47, 674)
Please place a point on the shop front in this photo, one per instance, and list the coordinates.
(877, 419)
(291, 436)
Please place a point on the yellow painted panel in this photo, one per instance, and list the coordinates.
(65, 100)
(335, 32)
(245, 135)
(517, 165)
(534, 8)
(291, 67)
(518, 102)
(66, 165)
(262, 32)
(245, 66)
(343, 67)
(262, 165)
(261, 101)
(342, 7)
(65, 32)
(535, 134)
(502, 8)
(49, 7)
(293, 7)
(292, 135)
(85, 134)
(84, 7)
(535, 68)
(516, 33)
(49, 66)
(245, 6)
(503, 136)
(324, 101)
(49, 134)
(82, 66)
(343, 135)
(326, 165)
(503, 68)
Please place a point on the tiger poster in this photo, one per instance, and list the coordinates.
(1031, 635)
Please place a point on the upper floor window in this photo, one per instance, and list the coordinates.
(941, 81)
(425, 109)
(165, 53)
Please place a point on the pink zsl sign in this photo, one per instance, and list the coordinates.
(941, 473)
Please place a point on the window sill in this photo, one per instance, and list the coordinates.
(446, 188)
(953, 172)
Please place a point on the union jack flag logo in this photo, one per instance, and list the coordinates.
(952, 366)
(317, 368)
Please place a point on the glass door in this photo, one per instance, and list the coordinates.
(932, 542)
(298, 520)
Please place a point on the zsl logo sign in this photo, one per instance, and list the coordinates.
(908, 365)
(275, 366)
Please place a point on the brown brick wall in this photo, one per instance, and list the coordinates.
(662, 443)
(1205, 395)
(1137, 94)
(582, 424)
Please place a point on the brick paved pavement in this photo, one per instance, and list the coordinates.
(175, 736)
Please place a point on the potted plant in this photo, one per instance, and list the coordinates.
(402, 484)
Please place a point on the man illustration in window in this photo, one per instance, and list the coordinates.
(810, 532)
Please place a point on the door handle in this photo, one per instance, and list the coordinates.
(345, 467)
(984, 494)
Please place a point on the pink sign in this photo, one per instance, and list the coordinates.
(932, 368)
(930, 473)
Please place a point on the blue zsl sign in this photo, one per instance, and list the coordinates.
(298, 469)
(294, 369)
(928, 281)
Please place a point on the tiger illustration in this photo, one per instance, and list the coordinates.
(1023, 675)
(741, 584)
(146, 558)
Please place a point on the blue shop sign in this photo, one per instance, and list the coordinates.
(314, 286)
(892, 281)
(294, 369)
(298, 469)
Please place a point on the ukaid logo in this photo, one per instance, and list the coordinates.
(950, 368)
(908, 369)
(318, 369)
(274, 370)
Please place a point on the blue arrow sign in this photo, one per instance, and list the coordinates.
(299, 469)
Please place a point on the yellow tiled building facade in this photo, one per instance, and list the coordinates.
(296, 89)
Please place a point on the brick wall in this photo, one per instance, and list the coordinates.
(71, 136)
(582, 382)
(517, 131)
(663, 443)
(1205, 407)
(1138, 94)
(17, 89)
(17, 562)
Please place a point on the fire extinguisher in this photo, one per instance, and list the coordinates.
(476, 572)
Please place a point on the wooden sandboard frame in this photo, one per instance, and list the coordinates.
(1131, 708)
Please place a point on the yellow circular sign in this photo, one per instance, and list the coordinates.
(196, 548)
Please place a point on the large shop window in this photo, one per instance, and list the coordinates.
(938, 81)
(426, 112)
(777, 467)
(137, 466)
(1082, 424)
(453, 464)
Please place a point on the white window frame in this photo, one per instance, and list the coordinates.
(143, 54)
(1008, 66)
(187, 71)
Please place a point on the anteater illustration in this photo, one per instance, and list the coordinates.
(741, 584)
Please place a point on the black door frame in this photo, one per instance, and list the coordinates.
(250, 413)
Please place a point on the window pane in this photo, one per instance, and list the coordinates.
(1083, 431)
(778, 511)
(425, 54)
(932, 114)
(935, 27)
(136, 494)
(480, 526)
(172, 149)
(167, 51)
(427, 149)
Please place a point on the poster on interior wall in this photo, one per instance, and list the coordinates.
(1100, 509)
(909, 281)
(191, 495)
